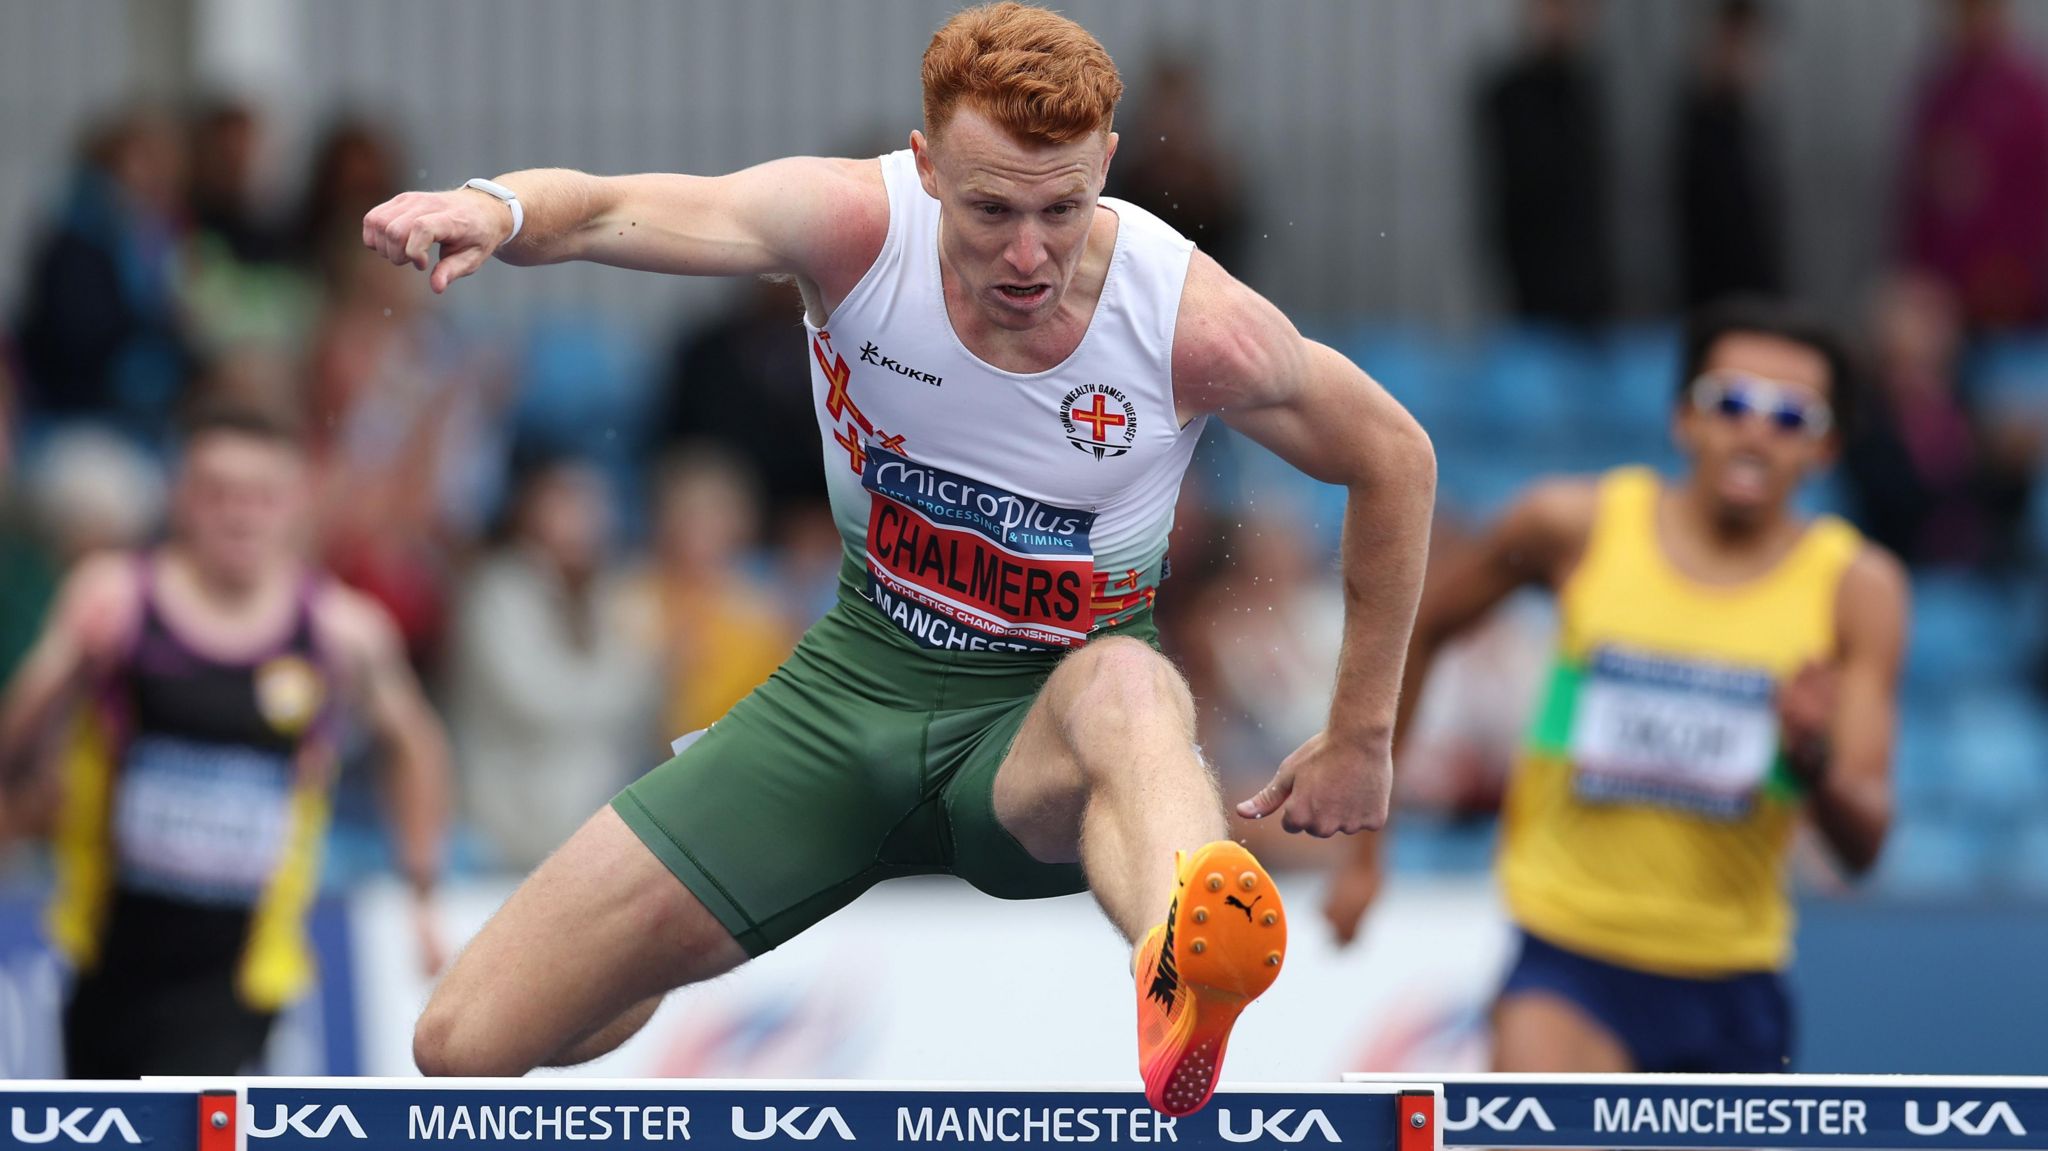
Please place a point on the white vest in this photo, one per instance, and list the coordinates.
(991, 510)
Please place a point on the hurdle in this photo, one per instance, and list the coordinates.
(1362, 1113)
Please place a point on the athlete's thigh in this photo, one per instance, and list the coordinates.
(599, 927)
(1543, 1031)
(1034, 786)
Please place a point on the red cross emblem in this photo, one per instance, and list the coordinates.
(1099, 418)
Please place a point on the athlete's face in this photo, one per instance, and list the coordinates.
(1756, 422)
(239, 503)
(1015, 215)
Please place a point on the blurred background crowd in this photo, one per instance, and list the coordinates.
(592, 499)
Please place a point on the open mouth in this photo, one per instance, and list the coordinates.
(1026, 294)
(1747, 476)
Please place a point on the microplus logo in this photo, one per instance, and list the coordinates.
(785, 1122)
(77, 1125)
(302, 1123)
(1274, 1126)
(1960, 1118)
(1490, 1114)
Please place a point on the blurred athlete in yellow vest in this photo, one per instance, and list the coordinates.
(1723, 665)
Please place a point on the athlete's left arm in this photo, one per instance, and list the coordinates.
(1237, 356)
(416, 747)
(1839, 720)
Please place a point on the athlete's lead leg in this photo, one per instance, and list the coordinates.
(595, 933)
(1105, 770)
(1105, 765)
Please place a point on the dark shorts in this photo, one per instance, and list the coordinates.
(160, 996)
(863, 758)
(1741, 1023)
(122, 1029)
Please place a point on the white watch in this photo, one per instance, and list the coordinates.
(510, 197)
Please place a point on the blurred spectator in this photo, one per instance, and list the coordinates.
(28, 573)
(406, 443)
(1976, 172)
(723, 632)
(1171, 164)
(227, 139)
(1543, 159)
(1272, 652)
(1730, 208)
(242, 290)
(355, 168)
(91, 490)
(552, 678)
(742, 379)
(100, 330)
(1932, 481)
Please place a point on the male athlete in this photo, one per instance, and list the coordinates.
(1010, 375)
(212, 671)
(1724, 667)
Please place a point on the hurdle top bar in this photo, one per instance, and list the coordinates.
(1867, 1112)
(228, 1114)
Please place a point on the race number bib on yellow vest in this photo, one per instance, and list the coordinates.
(1675, 733)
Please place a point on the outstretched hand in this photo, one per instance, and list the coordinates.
(467, 225)
(1329, 786)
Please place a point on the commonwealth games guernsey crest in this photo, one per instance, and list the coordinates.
(1099, 419)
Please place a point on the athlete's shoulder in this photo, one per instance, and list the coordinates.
(351, 624)
(1875, 585)
(848, 201)
(1546, 530)
(1231, 346)
(99, 605)
(1562, 507)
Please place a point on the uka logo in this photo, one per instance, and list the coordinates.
(787, 1122)
(1489, 1113)
(1961, 1118)
(299, 1123)
(77, 1125)
(1274, 1126)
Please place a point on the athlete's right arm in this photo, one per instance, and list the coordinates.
(1535, 543)
(90, 624)
(821, 219)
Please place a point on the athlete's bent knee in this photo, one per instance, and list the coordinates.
(1118, 683)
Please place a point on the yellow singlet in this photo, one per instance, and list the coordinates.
(1648, 820)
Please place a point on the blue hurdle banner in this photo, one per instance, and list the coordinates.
(1874, 1113)
(519, 1115)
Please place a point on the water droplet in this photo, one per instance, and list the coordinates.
(387, 312)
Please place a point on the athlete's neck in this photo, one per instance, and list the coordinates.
(1706, 534)
(221, 588)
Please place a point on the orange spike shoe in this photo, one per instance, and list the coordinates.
(1220, 948)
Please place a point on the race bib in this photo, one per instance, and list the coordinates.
(198, 821)
(1692, 736)
(962, 565)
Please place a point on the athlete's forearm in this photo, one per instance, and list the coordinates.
(1386, 542)
(420, 785)
(1852, 814)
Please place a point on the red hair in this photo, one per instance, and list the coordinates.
(1033, 71)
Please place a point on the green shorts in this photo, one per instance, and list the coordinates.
(863, 758)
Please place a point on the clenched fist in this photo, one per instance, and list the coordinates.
(466, 224)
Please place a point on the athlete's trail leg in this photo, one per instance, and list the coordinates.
(571, 961)
(1105, 769)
